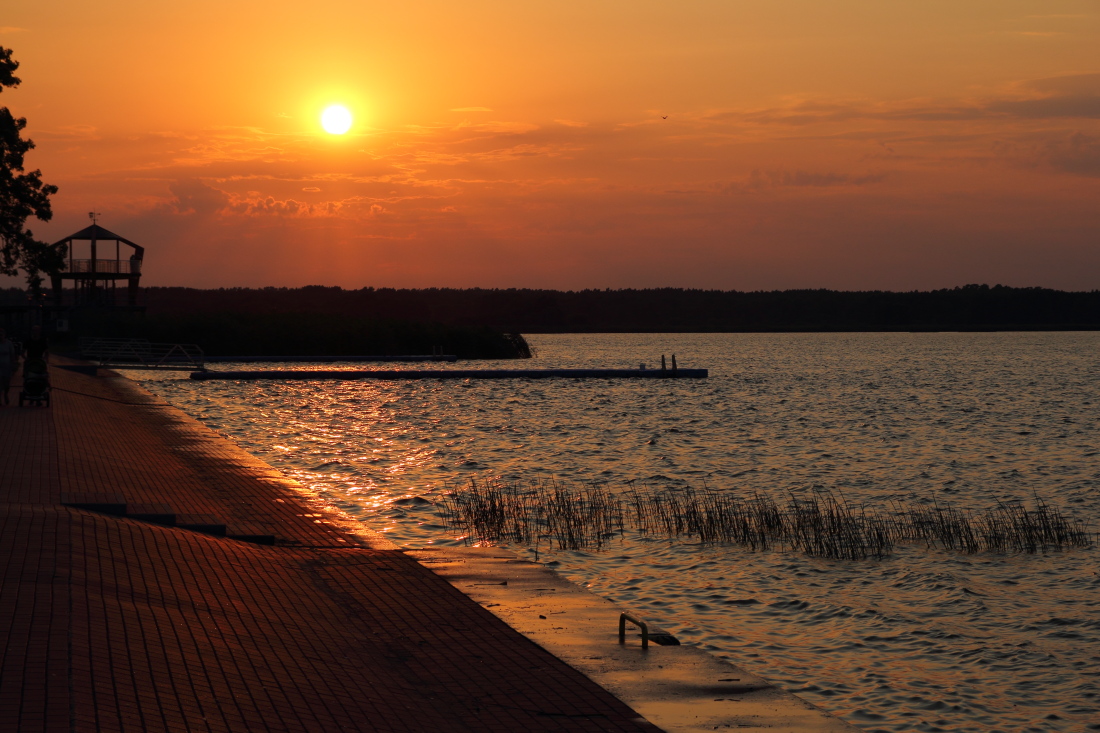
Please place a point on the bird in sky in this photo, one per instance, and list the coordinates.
(664, 117)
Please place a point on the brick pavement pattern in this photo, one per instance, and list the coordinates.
(115, 624)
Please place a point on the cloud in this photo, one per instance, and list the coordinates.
(1071, 84)
(195, 197)
(497, 127)
(311, 189)
(269, 205)
(812, 112)
(69, 132)
(809, 179)
(1079, 154)
(800, 112)
(1049, 107)
(1065, 96)
(571, 123)
(827, 180)
(12, 29)
(471, 109)
(1071, 96)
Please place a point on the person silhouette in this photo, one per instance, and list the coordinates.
(8, 358)
(37, 346)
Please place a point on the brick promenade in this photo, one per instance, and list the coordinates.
(110, 623)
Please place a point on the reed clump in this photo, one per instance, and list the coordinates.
(1006, 527)
(576, 518)
(816, 522)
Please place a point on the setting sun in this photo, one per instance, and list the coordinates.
(336, 119)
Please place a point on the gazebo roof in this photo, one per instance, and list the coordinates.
(96, 232)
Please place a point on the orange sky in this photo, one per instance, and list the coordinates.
(848, 144)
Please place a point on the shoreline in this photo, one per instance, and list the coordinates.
(337, 628)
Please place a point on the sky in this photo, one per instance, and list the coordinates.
(850, 144)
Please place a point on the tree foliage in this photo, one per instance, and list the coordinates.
(664, 310)
(22, 195)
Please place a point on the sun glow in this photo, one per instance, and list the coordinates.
(336, 119)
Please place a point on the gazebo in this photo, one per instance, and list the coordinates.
(95, 278)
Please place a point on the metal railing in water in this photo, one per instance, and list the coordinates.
(109, 267)
(141, 354)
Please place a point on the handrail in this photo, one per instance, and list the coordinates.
(623, 618)
(141, 354)
(108, 267)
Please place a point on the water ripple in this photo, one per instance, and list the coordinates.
(922, 641)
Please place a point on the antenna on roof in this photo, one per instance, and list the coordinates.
(93, 215)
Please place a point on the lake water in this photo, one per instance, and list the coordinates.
(924, 640)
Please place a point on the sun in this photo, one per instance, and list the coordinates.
(336, 119)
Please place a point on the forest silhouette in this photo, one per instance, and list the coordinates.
(967, 308)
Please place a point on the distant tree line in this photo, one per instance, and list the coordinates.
(968, 308)
(228, 333)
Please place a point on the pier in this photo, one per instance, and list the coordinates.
(331, 359)
(397, 374)
(157, 577)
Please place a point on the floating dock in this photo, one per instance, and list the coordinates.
(396, 374)
(331, 359)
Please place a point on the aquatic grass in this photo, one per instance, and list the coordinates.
(574, 518)
(943, 526)
(814, 521)
(1010, 526)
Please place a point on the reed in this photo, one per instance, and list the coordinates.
(574, 518)
(816, 521)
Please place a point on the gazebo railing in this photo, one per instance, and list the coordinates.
(141, 354)
(110, 267)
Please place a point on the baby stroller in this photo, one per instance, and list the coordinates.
(36, 383)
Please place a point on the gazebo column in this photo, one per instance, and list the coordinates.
(91, 278)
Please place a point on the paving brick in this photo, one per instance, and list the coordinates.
(157, 513)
